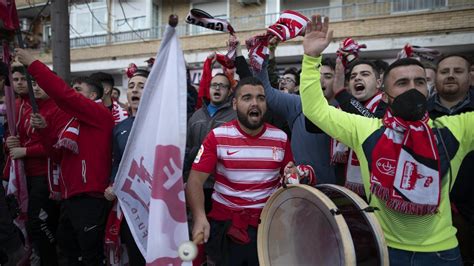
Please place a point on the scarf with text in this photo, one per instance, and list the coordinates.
(290, 25)
(201, 18)
(353, 172)
(405, 168)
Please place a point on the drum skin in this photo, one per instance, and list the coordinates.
(367, 235)
(298, 228)
(302, 225)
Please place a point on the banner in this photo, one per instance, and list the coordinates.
(8, 16)
(17, 179)
(149, 183)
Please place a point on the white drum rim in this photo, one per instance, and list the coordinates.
(347, 243)
(371, 218)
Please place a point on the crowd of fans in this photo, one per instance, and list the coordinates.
(242, 139)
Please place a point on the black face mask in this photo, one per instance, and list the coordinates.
(410, 105)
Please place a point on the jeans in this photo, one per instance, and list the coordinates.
(450, 257)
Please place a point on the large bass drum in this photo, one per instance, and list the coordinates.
(327, 225)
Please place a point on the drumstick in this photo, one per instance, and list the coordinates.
(188, 250)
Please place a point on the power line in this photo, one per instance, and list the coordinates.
(126, 21)
(96, 19)
(80, 36)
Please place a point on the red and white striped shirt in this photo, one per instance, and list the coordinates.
(247, 168)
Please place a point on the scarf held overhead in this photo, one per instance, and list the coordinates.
(290, 25)
(349, 51)
(201, 18)
(405, 170)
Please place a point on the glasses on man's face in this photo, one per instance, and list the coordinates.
(287, 79)
(219, 85)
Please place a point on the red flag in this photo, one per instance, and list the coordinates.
(8, 15)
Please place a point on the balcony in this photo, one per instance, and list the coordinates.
(343, 12)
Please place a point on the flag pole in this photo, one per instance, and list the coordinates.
(31, 95)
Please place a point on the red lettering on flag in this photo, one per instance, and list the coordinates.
(168, 180)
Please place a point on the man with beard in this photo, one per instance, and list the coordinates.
(211, 115)
(121, 132)
(408, 162)
(454, 97)
(247, 156)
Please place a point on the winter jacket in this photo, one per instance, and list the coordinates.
(88, 171)
(36, 160)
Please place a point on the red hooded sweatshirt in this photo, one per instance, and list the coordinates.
(88, 171)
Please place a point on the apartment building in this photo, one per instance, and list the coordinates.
(107, 35)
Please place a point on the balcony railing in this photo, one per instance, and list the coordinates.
(254, 22)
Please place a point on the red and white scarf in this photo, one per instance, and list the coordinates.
(118, 112)
(201, 18)
(349, 51)
(53, 180)
(69, 135)
(338, 152)
(115, 251)
(290, 25)
(418, 52)
(353, 172)
(405, 169)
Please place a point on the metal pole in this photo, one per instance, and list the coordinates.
(60, 39)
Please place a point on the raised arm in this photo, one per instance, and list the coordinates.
(283, 104)
(240, 64)
(65, 97)
(347, 128)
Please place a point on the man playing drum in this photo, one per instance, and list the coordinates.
(247, 158)
(409, 162)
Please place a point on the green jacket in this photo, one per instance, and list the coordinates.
(427, 233)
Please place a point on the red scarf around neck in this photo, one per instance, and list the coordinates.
(405, 169)
(353, 173)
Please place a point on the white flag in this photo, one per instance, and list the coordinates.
(149, 182)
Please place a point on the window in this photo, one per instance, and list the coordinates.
(88, 19)
(47, 33)
(416, 5)
(136, 23)
(217, 9)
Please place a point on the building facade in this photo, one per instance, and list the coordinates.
(107, 35)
